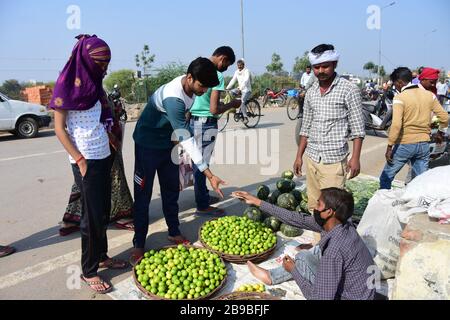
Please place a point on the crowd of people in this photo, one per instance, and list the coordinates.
(184, 113)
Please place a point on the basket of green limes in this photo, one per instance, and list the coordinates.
(238, 239)
(180, 272)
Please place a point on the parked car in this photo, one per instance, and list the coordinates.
(21, 118)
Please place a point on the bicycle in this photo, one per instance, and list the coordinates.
(253, 113)
(295, 103)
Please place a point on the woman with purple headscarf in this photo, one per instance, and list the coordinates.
(83, 119)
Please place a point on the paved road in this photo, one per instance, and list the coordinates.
(34, 190)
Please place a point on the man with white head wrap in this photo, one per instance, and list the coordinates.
(332, 115)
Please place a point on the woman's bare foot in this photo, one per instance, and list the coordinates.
(259, 273)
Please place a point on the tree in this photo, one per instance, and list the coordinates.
(276, 66)
(167, 74)
(124, 79)
(301, 63)
(12, 89)
(369, 66)
(145, 60)
(382, 72)
(442, 74)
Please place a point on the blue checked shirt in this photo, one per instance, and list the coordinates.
(329, 121)
(343, 272)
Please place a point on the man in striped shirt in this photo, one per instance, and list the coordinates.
(332, 115)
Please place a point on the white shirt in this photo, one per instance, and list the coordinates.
(88, 134)
(442, 89)
(243, 79)
(305, 79)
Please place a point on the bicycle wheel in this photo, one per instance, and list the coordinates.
(283, 101)
(223, 121)
(253, 113)
(292, 108)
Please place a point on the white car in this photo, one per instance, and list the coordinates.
(22, 118)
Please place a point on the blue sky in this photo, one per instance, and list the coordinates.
(35, 41)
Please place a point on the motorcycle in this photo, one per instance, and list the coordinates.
(378, 114)
(274, 98)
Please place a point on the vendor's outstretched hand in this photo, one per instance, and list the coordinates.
(247, 197)
(215, 184)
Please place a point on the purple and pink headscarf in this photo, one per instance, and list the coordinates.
(79, 86)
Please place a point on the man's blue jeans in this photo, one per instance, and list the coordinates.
(147, 163)
(306, 263)
(205, 132)
(418, 154)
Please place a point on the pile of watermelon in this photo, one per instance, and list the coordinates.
(362, 190)
(285, 196)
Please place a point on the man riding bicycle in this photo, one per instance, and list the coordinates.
(243, 77)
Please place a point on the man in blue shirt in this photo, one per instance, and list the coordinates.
(159, 129)
(205, 113)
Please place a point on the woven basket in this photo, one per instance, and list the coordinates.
(152, 296)
(237, 259)
(247, 296)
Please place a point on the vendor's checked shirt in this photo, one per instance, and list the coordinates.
(330, 120)
(346, 266)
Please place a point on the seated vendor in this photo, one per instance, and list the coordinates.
(339, 267)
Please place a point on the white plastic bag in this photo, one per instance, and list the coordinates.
(440, 210)
(186, 172)
(435, 183)
(380, 229)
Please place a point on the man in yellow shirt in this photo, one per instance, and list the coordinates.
(409, 134)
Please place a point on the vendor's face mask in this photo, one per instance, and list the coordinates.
(319, 220)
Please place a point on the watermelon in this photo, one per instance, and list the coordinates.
(304, 206)
(253, 213)
(285, 185)
(297, 194)
(290, 231)
(273, 223)
(273, 197)
(263, 192)
(287, 201)
(288, 174)
(305, 196)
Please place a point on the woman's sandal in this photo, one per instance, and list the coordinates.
(179, 241)
(65, 231)
(6, 251)
(111, 263)
(125, 225)
(95, 283)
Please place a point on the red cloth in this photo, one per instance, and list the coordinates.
(429, 74)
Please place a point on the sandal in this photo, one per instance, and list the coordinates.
(176, 241)
(125, 225)
(112, 263)
(65, 231)
(6, 251)
(215, 212)
(94, 283)
(135, 257)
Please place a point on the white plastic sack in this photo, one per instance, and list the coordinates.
(434, 183)
(440, 210)
(186, 171)
(380, 229)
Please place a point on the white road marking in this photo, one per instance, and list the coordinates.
(374, 148)
(32, 155)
